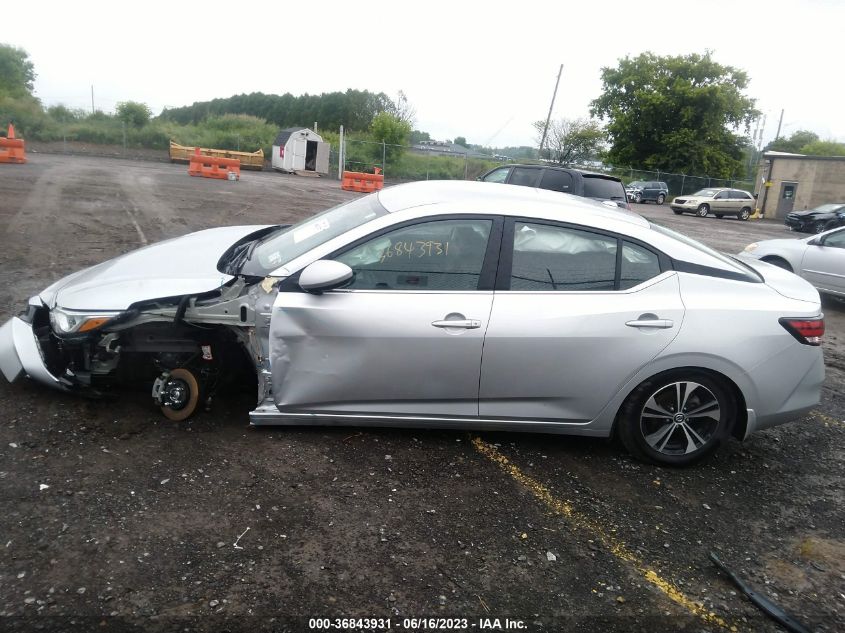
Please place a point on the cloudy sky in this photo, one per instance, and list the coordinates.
(483, 70)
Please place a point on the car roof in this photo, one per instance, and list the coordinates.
(583, 172)
(515, 200)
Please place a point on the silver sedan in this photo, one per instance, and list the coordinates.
(450, 305)
(819, 259)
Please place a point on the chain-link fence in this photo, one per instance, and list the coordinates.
(404, 163)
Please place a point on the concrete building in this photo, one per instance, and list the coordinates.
(787, 182)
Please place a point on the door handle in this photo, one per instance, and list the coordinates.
(466, 324)
(656, 324)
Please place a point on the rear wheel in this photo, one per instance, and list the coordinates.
(703, 210)
(744, 214)
(661, 198)
(677, 418)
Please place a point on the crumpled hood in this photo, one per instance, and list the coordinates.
(179, 266)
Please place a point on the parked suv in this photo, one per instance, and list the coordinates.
(720, 202)
(579, 183)
(643, 191)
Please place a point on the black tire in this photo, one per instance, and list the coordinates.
(744, 214)
(188, 381)
(661, 198)
(703, 210)
(719, 216)
(820, 227)
(639, 430)
(779, 262)
(638, 198)
(677, 212)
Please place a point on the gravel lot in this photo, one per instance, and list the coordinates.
(116, 519)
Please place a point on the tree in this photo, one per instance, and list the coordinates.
(17, 74)
(460, 140)
(393, 132)
(823, 148)
(571, 141)
(133, 113)
(402, 109)
(676, 113)
(794, 143)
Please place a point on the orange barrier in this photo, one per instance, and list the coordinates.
(12, 150)
(365, 183)
(214, 167)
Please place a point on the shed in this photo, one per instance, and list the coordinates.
(300, 149)
(788, 182)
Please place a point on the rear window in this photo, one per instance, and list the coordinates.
(603, 188)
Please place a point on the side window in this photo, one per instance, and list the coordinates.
(604, 188)
(497, 175)
(525, 176)
(556, 180)
(557, 258)
(835, 240)
(722, 195)
(437, 255)
(638, 265)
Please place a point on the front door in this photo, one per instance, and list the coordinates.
(572, 328)
(787, 198)
(824, 265)
(300, 146)
(404, 339)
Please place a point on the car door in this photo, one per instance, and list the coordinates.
(824, 264)
(404, 338)
(722, 202)
(650, 191)
(570, 325)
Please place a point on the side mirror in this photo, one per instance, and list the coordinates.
(323, 275)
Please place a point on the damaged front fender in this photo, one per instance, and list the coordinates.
(20, 354)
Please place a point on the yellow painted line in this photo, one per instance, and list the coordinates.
(827, 419)
(610, 542)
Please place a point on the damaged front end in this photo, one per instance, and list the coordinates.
(186, 347)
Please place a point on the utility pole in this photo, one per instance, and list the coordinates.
(777, 134)
(551, 107)
(92, 98)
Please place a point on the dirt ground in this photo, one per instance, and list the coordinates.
(115, 519)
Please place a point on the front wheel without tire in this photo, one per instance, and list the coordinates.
(677, 419)
(179, 395)
(703, 210)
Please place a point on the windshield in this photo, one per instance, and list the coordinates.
(705, 193)
(827, 208)
(285, 245)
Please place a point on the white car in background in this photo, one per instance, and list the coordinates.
(819, 259)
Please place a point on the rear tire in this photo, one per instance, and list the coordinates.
(744, 214)
(703, 210)
(677, 438)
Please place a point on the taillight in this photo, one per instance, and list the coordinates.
(807, 331)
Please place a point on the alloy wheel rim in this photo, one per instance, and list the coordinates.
(680, 418)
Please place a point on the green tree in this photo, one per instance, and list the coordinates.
(460, 140)
(793, 143)
(570, 141)
(393, 132)
(17, 74)
(676, 113)
(133, 113)
(823, 148)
